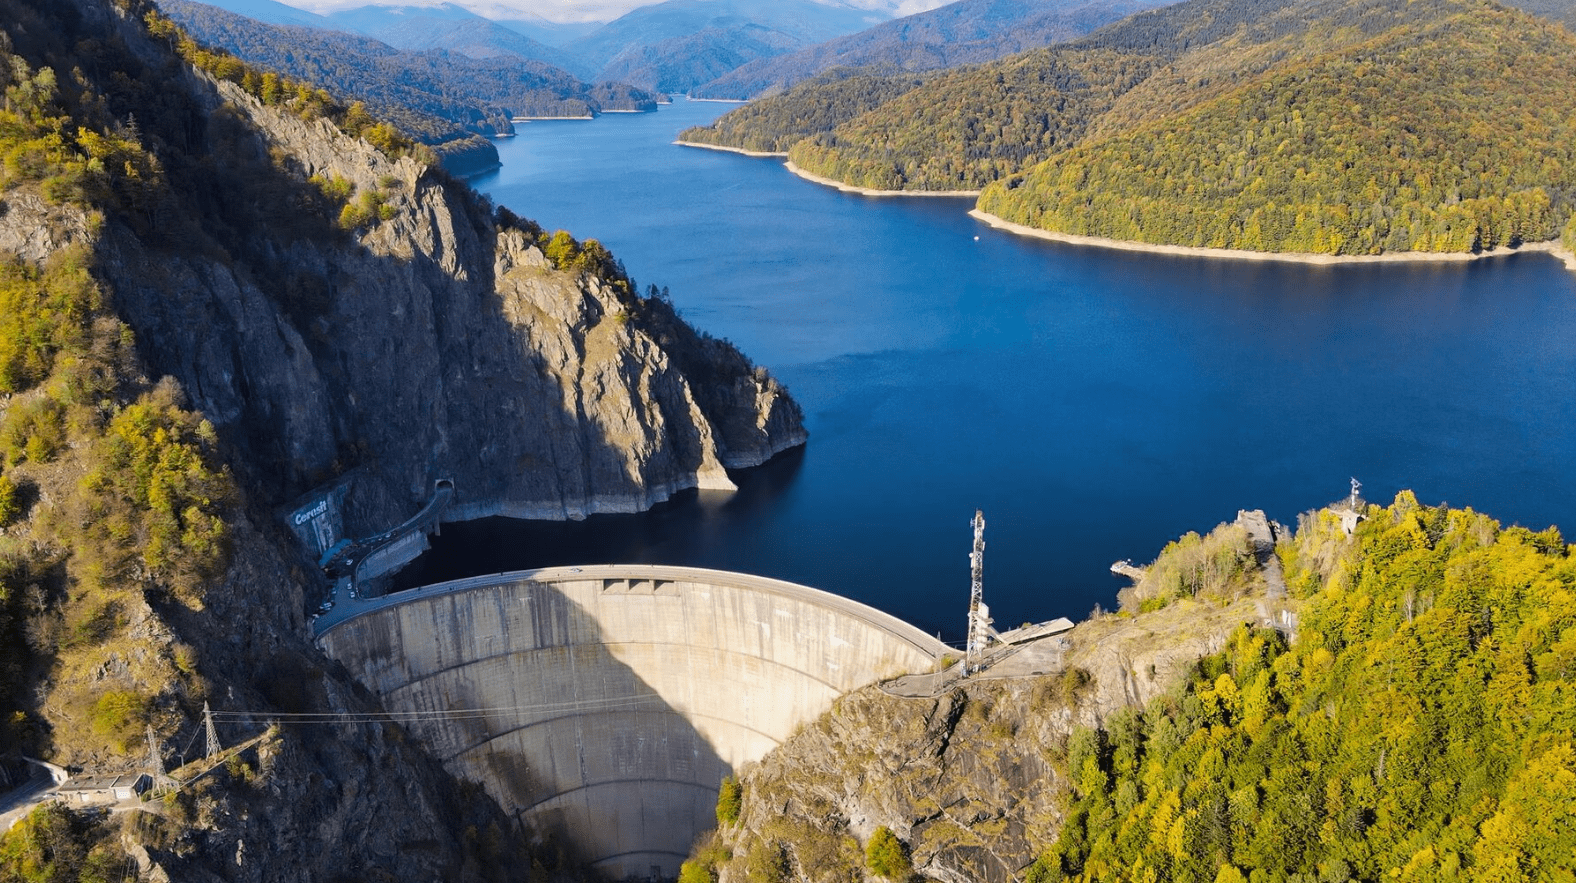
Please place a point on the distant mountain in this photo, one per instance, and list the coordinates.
(966, 32)
(273, 13)
(681, 63)
(683, 43)
(549, 33)
(435, 96)
(1562, 11)
(455, 28)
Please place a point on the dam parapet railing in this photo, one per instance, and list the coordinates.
(635, 574)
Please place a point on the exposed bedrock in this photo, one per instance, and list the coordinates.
(431, 342)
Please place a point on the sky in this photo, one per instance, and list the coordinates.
(575, 10)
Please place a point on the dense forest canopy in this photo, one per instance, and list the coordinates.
(1456, 136)
(1418, 726)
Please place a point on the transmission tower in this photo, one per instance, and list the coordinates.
(213, 734)
(980, 631)
(155, 760)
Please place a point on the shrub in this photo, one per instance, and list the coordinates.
(766, 863)
(695, 871)
(120, 715)
(10, 507)
(730, 801)
(155, 497)
(887, 856)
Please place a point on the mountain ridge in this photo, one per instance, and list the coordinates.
(964, 32)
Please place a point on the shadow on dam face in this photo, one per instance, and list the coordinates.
(604, 705)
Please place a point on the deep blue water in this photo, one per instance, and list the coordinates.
(1095, 404)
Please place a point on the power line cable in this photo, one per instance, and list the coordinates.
(452, 714)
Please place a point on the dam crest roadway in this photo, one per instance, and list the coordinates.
(603, 705)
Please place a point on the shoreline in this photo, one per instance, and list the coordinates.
(720, 100)
(867, 191)
(1551, 247)
(738, 150)
(540, 119)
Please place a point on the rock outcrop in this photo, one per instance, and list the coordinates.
(435, 343)
(972, 779)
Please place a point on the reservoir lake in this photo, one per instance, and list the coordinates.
(1096, 404)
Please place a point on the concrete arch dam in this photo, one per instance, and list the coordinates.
(618, 696)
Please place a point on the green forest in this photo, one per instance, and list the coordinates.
(964, 130)
(1418, 726)
(1339, 127)
(1460, 136)
(818, 106)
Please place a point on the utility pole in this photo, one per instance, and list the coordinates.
(980, 631)
(213, 734)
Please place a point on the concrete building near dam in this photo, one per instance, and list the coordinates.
(604, 705)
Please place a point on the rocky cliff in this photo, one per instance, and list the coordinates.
(434, 343)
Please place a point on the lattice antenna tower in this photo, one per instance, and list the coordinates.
(213, 734)
(980, 631)
(1356, 486)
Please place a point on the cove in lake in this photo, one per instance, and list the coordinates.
(1096, 404)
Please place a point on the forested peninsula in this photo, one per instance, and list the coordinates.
(1325, 127)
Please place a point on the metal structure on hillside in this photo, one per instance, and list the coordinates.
(213, 735)
(980, 631)
(155, 759)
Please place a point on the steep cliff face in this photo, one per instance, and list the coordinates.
(434, 344)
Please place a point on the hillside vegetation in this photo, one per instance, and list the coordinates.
(963, 130)
(818, 106)
(1455, 136)
(1417, 728)
(146, 498)
(1327, 126)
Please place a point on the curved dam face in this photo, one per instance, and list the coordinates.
(604, 705)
